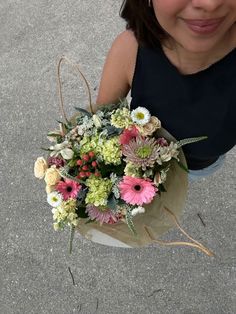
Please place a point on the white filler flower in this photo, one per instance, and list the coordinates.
(140, 115)
(62, 148)
(54, 199)
(138, 210)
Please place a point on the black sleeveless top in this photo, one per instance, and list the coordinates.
(189, 105)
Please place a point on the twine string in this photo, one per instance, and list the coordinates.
(180, 228)
(75, 66)
(194, 243)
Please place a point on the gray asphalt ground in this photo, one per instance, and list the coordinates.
(34, 258)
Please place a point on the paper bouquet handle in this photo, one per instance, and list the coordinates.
(75, 66)
(194, 243)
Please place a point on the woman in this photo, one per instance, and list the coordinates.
(178, 58)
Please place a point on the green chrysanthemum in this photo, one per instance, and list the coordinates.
(99, 190)
(142, 152)
(121, 118)
(111, 151)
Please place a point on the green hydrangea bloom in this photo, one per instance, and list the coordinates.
(90, 143)
(132, 170)
(121, 118)
(111, 151)
(99, 190)
(65, 214)
(69, 205)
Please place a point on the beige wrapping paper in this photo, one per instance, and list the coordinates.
(155, 216)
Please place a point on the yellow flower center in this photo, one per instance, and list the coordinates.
(139, 115)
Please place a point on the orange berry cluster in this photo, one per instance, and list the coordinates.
(87, 166)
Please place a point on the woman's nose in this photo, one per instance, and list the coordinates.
(207, 5)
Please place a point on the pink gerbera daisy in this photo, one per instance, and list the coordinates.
(68, 189)
(102, 214)
(137, 191)
(128, 134)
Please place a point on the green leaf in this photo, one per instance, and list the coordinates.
(72, 163)
(121, 202)
(81, 196)
(161, 188)
(130, 223)
(76, 148)
(67, 126)
(106, 170)
(54, 135)
(190, 140)
(80, 211)
(112, 203)
(83, 111)
(46, 149)
(112, 130)
(110, 107)
(79, 119)
(64, 173)
(182, 165)
(89, 221)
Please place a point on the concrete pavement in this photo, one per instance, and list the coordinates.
(35, 264)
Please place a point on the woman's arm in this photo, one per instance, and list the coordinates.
(118, 70)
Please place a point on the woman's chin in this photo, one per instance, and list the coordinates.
(200, 46)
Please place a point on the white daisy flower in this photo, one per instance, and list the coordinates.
(54, 199)
(140, 115)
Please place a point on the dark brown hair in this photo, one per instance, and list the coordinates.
(141, 19)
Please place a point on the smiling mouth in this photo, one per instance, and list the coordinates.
(203, 26)
(204, 22)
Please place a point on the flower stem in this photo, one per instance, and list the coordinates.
(72, 233)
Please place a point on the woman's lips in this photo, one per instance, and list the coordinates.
(204, 26)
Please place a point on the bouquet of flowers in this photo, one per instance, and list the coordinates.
(106, 166)
(114, 171)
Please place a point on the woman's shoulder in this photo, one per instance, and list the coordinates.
(118, 69)
(124, 48)
(126, 40)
